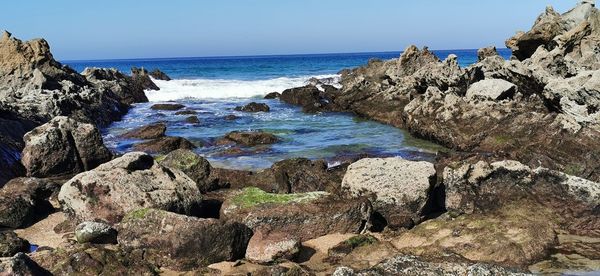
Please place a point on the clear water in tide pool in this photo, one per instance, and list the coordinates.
(213, 87)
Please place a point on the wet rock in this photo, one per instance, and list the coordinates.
(24, 200)
(300, 175)
(308, 97)
(21, 264)
(142, 79)
(173, 241)
(186, 112)
(192, 120)
(63, 146)
(159, 75)
(95, 232)
(248, 138)
(130, 182)
(167, 106)
(193, 165)
(265, 248)
(152, 131)
(491, 89)
(230, 117)
(306, 215)
(112, 80)
(254, 107)
(272, 95)
(11, 244)
(164, 145)
(401, 189)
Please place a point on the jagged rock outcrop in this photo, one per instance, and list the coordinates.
(157, 74)
(141, 79)
(254, 107)
(63, 146)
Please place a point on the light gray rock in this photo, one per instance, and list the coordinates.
(95, 232)
(130, 182)
(577, 95)
(491, 89)
(400, 188)
(265, 248)
(63, 146)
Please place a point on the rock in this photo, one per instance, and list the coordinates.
(21, 264)
(401, 189)
(159, 75)
(164, 145)
(265, 248)
(491, 89)
(230, 117)
(272, 95)
(192, 120)
(128, 183)
(582, 90)
(95, 232)
(486, 52)
(24, 200)
(248, 138)
(186, 112)
(547, 26)
(12, 129)
(306, 215)
(300, 175)
(11, 244)
(167, 106)
(142, 79)
(63, 146)
(180, 242)
(254, 107)
(308, 97)
(113, 81)
(193, 165)
(152, 131)
(346, 247)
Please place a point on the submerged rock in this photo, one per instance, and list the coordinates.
(192, 120)
(272, 95)
(63, 146)
(167, 106)
(152, 131)
(254, 107)
(248, 138)
(128, 183)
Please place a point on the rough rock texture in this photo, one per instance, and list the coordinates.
(193, 165)
(164, 145)
(491, 89)
(401, 189)
(300, 175)
(249, 138)
(254, 107)
(167, 106)
(159, 75)
(95, 232)
(264, 248)
(11, 244)
(63, 146)
(152, 131)
(130, 182)
(192, 120)
(116, 82)
(142, 79)
(21, 264)
(24, 200)
(307, 215)
(12, 129)
(272, 95)
(309, 97)
(181, 242)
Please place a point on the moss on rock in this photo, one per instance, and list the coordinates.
(252, 196)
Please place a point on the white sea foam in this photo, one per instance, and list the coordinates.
(221, 89)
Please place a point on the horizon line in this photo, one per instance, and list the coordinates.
(257, 56)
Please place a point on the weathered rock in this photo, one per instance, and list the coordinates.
(12, 129)
(486, 52)
(142, 79)
(547, 26)
(11, 244)
(125, 184)
(307, 215)
(248, 138)
(491, 89)
(152, 131)
(193, 165)
(21, 264)
(401, 189)
(164, 145)
(192, 120)
(167, 106)
(24, 200)
(181, 242)
(309, 97)
(63, 146)
(581, 90)
(300, 175)
(265, 248)
(95, 232)
(272, 95)
(186, 112)
(254, 107)
(346, 247)
(113, 81)
(159, 75)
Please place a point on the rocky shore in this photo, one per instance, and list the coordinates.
(518, 193)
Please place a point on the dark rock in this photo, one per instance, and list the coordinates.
(159, 75)
(193, 165)
(167, 106)
(192, 120)
(11, 244)
(248, 138)
(142, 79)
(301, 175)
(113, 81)
(174, 241)
(12, 130)
(152, 131)
(24, 200)
(186, 112)
(63, 146)
(308, 97)
(254, 107)
(230, 117)
(95, 232)
(164, 145)
(21, 264)
(272, 95)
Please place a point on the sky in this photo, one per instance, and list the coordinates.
(113, 29)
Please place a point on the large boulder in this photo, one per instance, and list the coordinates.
(180, 242)
(193, 165)
(491, 89)
(300, 175)
(63, 146)
(254, 107)
(12, 129)
(21, 264)
(401, 189)
(309, 97)
(152, 131)
(11, 244)
(127, 183)
(265, 248)
(164, 145)
(24, 200)
(113, 81)
(142, 79)
(306, 215)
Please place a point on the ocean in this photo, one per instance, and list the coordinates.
(214, 86)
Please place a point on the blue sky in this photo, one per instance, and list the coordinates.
(183, 28)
